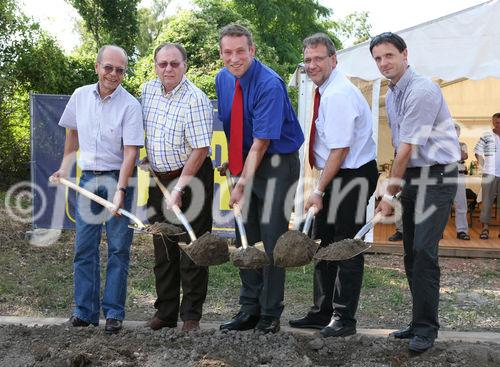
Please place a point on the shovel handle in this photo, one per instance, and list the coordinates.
(237, 213)
(308, 222)
(177, 211)
(105, 203)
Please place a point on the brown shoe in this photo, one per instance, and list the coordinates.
(191, 325)
(156, 323)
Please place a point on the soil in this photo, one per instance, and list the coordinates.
(63, 345)
(166, 229)
(208, 250)
(341, 250)
(249, 258)
(469, 302)
(294, 248)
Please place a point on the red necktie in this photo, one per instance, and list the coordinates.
(236, 132)
(313, 127)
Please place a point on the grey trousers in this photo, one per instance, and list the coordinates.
(460, 203)
(490, 186)
(425, 213)
(266, 216)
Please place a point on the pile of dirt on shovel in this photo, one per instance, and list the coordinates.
(341, 250)
(208, 250)
(294, 248)
(249, 258)
(67, 346)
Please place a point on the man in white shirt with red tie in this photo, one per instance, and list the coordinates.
(342, 147)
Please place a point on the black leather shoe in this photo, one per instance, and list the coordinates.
(268, 324)
(113, 326)
(420, 344)
(307, 322)
(337, 328)
(406, 333)
(398, 236)
(242, 321)
(77, 322)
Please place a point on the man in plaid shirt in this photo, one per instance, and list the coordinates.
(178, 121)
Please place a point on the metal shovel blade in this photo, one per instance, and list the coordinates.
(348, 248)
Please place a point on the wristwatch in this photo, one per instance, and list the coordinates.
(391, 198)
(122, 189)
(318, 192)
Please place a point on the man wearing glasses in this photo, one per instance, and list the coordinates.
(104, 121)
(348, 179)
(178, 121)
(427, 152)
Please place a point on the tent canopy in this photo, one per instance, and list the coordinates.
(464, 44)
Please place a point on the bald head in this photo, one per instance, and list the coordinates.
(111, 49)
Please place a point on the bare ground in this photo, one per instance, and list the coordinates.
(469, 301)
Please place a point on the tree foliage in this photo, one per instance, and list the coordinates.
(110, 21)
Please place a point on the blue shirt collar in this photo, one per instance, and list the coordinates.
(111, 96)
(248, 76)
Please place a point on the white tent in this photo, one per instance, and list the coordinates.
(464, 44)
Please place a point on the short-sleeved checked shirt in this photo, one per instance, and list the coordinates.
(176, 123)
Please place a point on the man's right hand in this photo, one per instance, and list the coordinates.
(144, 164)
(60, 173)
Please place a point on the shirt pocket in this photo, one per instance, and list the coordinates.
(113, 136)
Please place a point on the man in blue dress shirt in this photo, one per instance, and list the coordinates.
(269, 169)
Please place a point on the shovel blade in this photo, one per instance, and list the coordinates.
(342, 250)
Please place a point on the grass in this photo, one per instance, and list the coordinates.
(38, 281)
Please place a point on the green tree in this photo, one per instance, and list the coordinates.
(110, 21)
(151, 21)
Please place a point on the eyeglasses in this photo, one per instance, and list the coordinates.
(164, 64)
(316, 59)
(108, 69)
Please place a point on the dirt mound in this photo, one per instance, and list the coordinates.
(208, 250)
(67, 346)
(249, 258)
(341, 250)
(294, 248)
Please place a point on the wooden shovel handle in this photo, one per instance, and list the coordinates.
(177, 211)
(105, 203)
(237, 213)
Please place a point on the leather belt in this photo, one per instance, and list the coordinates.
(169, 175)
(98, 173)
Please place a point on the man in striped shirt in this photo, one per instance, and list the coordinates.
(178, 121)
(487, 152)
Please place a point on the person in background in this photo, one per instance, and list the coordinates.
(104, 122)
(460, 201)
(487, 151)
(427, 152)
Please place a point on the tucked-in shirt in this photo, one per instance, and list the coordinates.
(267, 111)
(176, 123)
(104, 125)
(418, 115)
(344, 121)
(488, 147)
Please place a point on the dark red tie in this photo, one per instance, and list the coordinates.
(236, 133)
(313, 127)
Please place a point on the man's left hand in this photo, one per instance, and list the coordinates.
(175, 199)
(314, 200)
(237, 196)
(118, 200)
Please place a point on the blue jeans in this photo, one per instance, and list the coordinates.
(87, 281)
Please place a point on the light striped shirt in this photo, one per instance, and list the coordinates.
(104, 125)
(176, 123)
(488, 147)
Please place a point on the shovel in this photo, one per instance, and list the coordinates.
(207, 250)
(157, 228)
(245, 257)
(295, 248)
(348, 248)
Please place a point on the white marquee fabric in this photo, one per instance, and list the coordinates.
(465, 44)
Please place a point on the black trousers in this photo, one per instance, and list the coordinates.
(426, 210)
(337, 284)
(266, 215)
(173, 267)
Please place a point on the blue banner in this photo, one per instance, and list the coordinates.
(54, 205)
